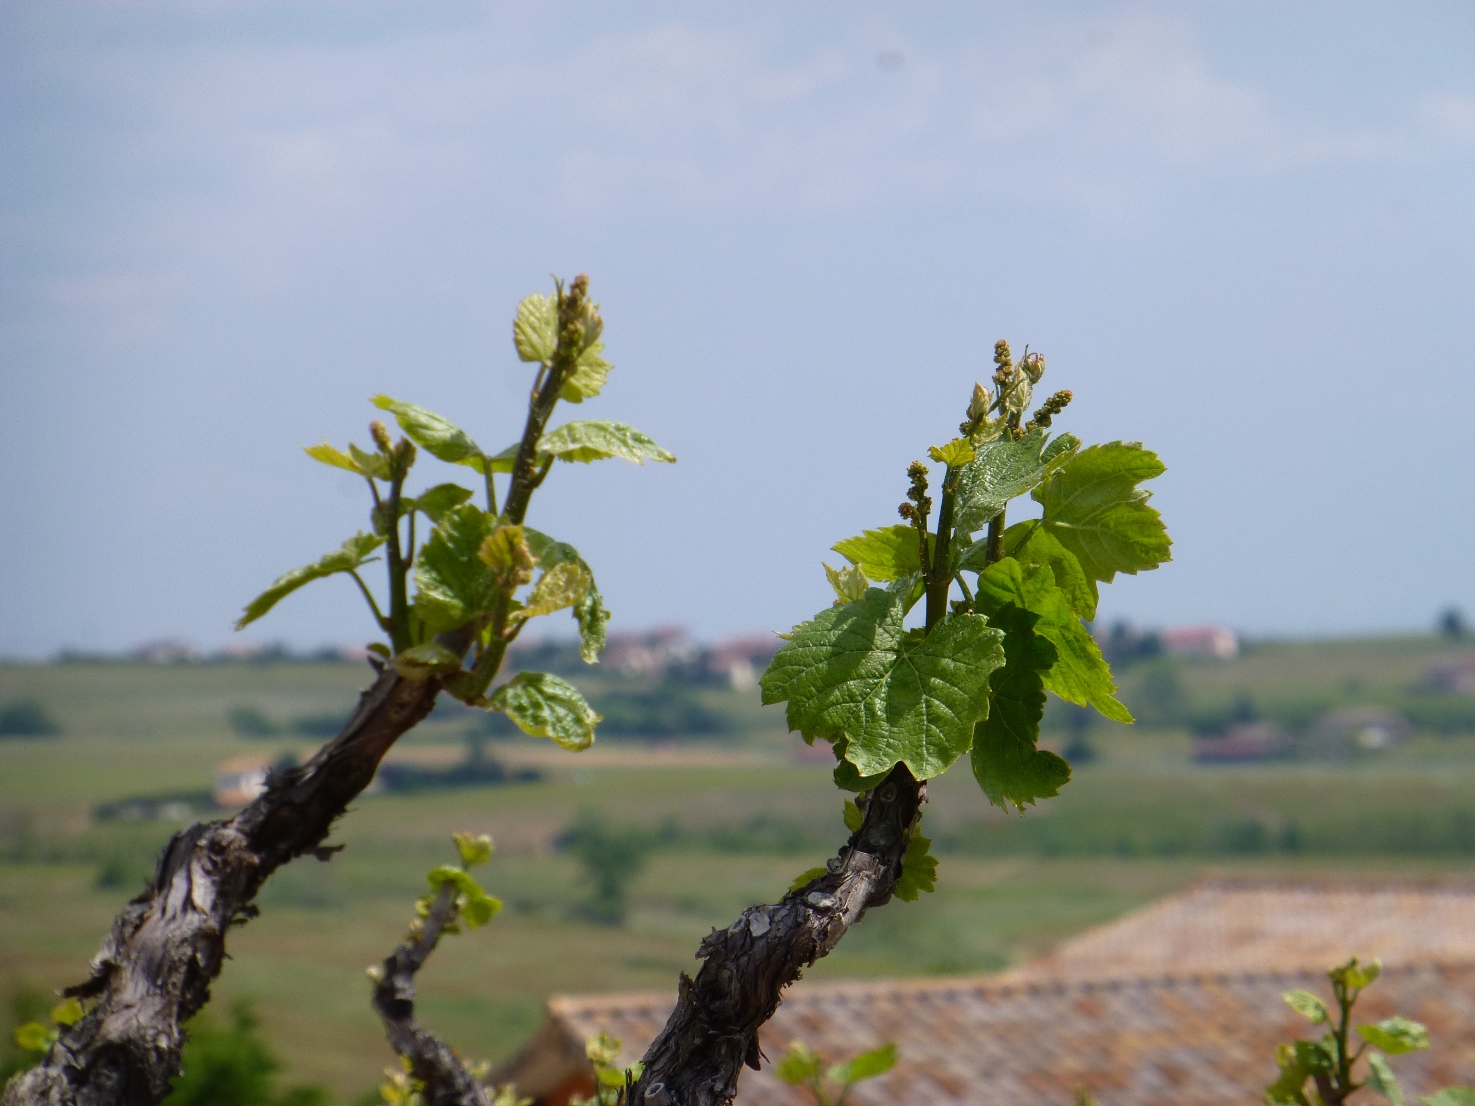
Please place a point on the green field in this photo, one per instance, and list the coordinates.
(732, 820)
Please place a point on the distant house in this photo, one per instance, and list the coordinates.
(740, 660)
(1455, 677)
(1176, 1003)
(1213, 642)
(240, 780)
(1240, 744)
(649, 654)
(166, 651)
(1339, 733)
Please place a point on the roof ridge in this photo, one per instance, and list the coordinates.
(564, 1005)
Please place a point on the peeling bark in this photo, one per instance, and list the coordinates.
(713, 1031)
(155, 967)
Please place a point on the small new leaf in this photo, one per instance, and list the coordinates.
(854, 818)
(437, 436)
(453, 584)
(34, 1037)
(507, 552)
(1006, 763)
(67, 1012)
(850, 583)
(589, 610)
(546, 706)
(918, 869)
(561, 586)
(1094, 507)
(472, 850)
(591, 371)
(955, 454)
(332, 455)
(894, 695)
(885, 554)
(370, 464)
(597, 440)
(799, 1065)
(867, 1065)
(804, 877)
(353, 553)
(1002, 470)
(1382, 1080)
(1080, 674)
(1395, 1036)
(535, 329)
(421, 662)
(1306, 1004)
(435, 503)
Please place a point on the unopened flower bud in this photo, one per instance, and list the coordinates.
(1033, 366)
(380, 434)
(982, 400)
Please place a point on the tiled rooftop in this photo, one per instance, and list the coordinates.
(1240, 925)
(1175, 1004)
(1166, 1042)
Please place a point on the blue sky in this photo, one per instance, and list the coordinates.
(1241, 233)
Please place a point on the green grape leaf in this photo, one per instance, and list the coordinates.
(1094, 507)
(955, 454)
(1314, 1056)
(1005, 761)
(591, 371)
(846, 777)
(1382, 1080)
(854, 818)
(472, 850)
(561, 586)
(895, 695)
(595, 440)
(1031, 544)
(1395, 1036)
(1355, 976)
(332, 455)
(370, 464)
(1063, 446)
(453, 584)
(589, 610)
(850, 583)
(1450, 1096)
(424, 661)
(67, 1012)
(437, 436)
(545, 706)
(804, 877)
(799, 1065)
(435, 503)
(34, 1037)
(885, 554)
(503, 462)
(535, 329)
(1288, 1088)
(353, 553)
(1002, 470)
(867, 1065)
(918, 869)
(1080, 674)
(1308, 1005)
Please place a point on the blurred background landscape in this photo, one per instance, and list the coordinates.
(1348, 755)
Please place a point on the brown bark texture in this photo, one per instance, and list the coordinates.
(446, 1082)
(713, 1031)
(154, 969)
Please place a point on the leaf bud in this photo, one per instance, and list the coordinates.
(380, 434)
(982, 400)
(1033, 366)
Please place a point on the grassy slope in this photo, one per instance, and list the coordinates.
(133, 730)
